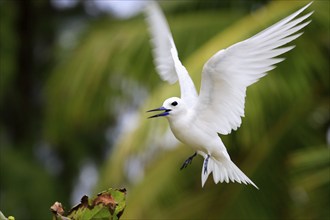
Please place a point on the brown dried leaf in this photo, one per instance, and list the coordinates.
(57, 208)
(104, 198)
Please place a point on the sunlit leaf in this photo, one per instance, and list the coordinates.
(109, 204)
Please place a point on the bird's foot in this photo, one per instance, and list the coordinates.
(206, 161)
(188, 161)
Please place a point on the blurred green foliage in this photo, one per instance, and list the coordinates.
(85, 101)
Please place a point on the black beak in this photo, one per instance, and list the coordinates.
(166, 112)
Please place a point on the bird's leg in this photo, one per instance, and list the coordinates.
(206, 161)
(188, 161)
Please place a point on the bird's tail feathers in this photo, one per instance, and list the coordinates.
(224, 171)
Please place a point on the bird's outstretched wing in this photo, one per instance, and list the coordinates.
(165, 54)
(228, 73)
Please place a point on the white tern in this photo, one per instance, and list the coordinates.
(196, 120)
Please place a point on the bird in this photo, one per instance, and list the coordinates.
(196, 119)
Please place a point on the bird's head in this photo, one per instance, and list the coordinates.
(171, 107)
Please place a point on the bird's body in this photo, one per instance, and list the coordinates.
(206, 141)
(197, 119)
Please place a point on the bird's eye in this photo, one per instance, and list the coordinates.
(174, 103)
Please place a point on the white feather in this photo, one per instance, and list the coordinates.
(229, 72)
(166, 58)
(225, 78)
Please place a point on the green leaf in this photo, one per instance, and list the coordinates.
(109, 204)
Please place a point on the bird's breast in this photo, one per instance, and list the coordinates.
(199, 136)
(190, 133)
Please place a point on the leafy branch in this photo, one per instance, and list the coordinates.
(109, 204)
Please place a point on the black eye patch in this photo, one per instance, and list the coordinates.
(174, 103)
